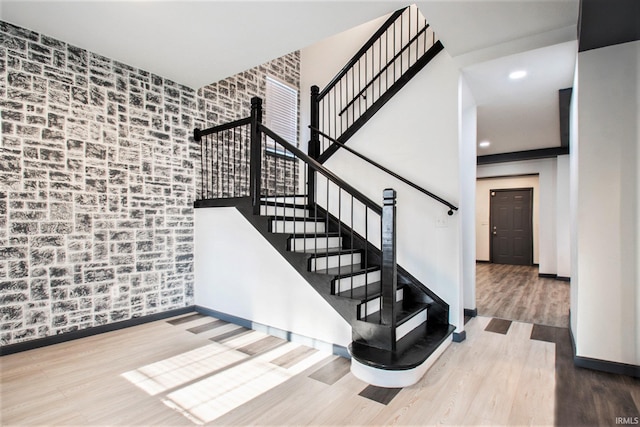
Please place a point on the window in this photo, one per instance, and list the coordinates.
(281, 114)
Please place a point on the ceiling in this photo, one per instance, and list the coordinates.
(197, 42)
(490, 39)
(192, 42)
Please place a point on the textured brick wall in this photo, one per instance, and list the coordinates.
(97, 181)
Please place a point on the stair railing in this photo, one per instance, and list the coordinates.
(269, 169)
(224, 160)
(383, 65)
(451, 207)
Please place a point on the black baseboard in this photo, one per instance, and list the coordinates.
(336, 349)
(554, 276)
(459, 336)
(601, 365)
(83, 333)
(482, 262)
(471, 312)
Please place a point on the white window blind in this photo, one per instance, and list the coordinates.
(281, 112)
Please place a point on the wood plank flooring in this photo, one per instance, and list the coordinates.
(584, 396)
(162, 373)
(515, 292)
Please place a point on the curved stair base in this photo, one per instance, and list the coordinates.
(396, 378)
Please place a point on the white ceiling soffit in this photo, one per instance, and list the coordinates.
(474, 31)
(517, 115)
(189, 41)
(490, 39)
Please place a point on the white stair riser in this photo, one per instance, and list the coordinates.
(298, 200)
(268, 210)
(373, 306)
(296, 227)
(411, 324)
(311, 244)
(346, 283)
(320, 263)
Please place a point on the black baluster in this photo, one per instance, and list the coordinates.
(326, 228)
(352, 231)
(314, 143)
(235, 177)
(366, 249)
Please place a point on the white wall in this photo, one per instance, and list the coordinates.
(419, 140)
(573, 200)
(563, 219)
(238, 272)
(483, 211)
(608, 308)
(546, 170)
(468, 152)
(429, 239)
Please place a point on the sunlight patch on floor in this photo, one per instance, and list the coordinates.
(218, 394)
(178, 370)
(208, 382)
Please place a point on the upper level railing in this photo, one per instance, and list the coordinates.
(244, 158)
(384, 62)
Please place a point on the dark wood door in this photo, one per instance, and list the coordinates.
(511, 226)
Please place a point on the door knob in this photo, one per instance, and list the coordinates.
(495, 233)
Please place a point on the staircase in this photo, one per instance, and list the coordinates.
(339, 240)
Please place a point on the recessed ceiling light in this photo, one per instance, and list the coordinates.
(519, 74)
(484, 144)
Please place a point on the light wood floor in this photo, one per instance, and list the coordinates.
(195, 370)
(166, 374)
(515, 292)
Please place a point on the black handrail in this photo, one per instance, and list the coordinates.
(361, 52)
(390, 172)
(323, 170)
(198, 134)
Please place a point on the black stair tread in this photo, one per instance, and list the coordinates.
(282, 204)
(313, 235)
(372, 291)
(313, 250)
(323, 253)
(297, 218)
(412, 350)
(346, 270)
(289, 196)
(402, 316)
(356, 271)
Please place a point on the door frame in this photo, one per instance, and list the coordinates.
(530, 189)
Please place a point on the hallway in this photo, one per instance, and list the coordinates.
(515, 292)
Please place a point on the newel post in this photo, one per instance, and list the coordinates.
(389, 265)
(255, 155)
(314, 142)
